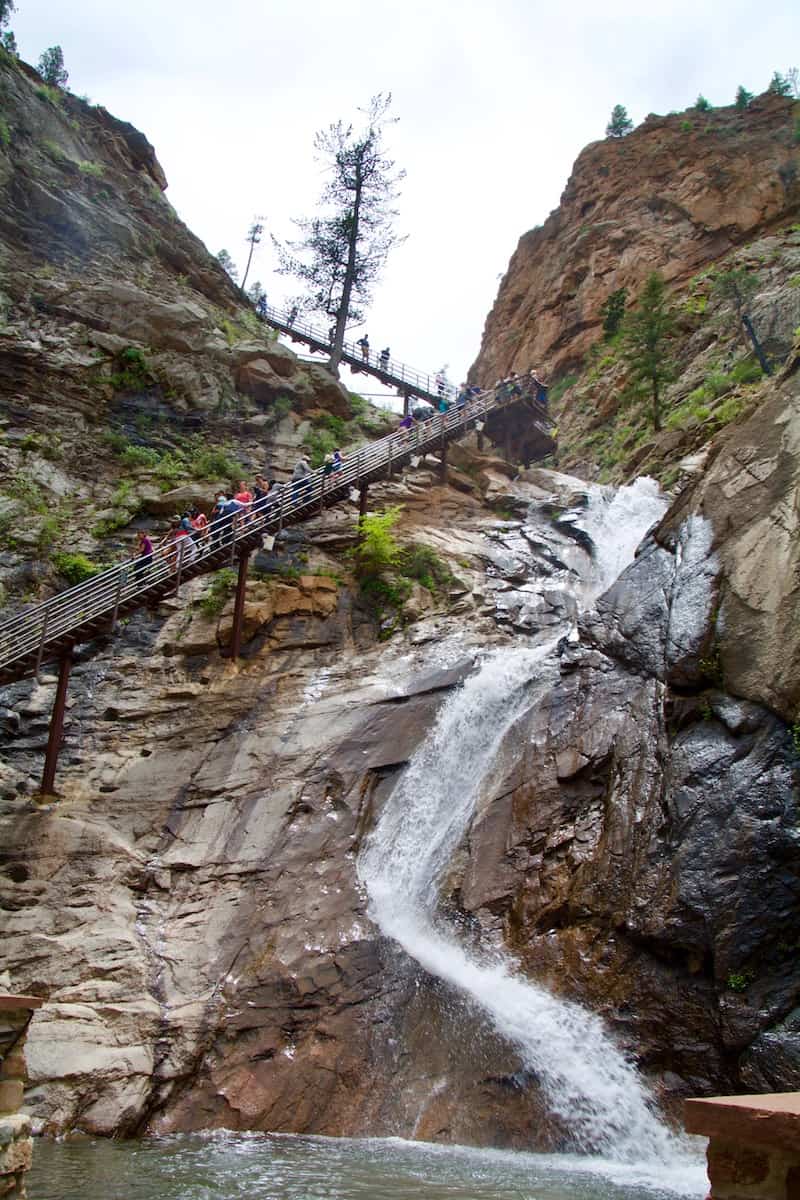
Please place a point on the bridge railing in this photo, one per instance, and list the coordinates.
(103, 595)
(400, 372)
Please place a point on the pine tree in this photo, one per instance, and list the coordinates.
(342, 252)
(7, 39)
(738, 287)
(51, 67)
(620, 122)
(743, 97)
(701, 104)
(253, 237)
(780, 85)
(226, 262)
(613, 312)
(647, 329)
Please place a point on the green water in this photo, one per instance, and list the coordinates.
(229, 1166)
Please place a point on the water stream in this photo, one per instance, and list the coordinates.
(588, 1082)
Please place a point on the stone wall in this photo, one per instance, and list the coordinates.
(15, 1126)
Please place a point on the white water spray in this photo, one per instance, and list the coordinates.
(587, 1080)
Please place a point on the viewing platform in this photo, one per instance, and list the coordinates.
(754, 1147)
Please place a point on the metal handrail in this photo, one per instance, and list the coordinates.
(401, 374)
(104, 595)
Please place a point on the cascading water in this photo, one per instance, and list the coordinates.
(587, 1080)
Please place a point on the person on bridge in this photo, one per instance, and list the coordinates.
(538, 388)
(301, 483)
(144, 553)
(331, 334)
(261, 306)
(363, 342)
(384, 358)
(337, 460)
(441, 383)
(199, 522)
(292, 315)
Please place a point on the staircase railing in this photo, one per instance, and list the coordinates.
(27, 635)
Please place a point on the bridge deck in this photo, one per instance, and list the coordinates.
(89, 609)
(391, 371)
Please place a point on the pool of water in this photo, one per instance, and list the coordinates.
(227, 1166)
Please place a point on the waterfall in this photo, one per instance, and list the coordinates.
(587, 1081)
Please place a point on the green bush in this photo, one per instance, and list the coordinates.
(91, 168)
(51, 94)
(561, 386)
(320, 442)
(76, 567)
(49, 533)
(140, 456)
(686, 126)
(701, 104)
(729, 409)
(23, 487)
(423, 564)
(746, 372)
(133, 373)
(5, 134)
(218, 593)
(378, 549)
(739, 981)
(796, 736)
(214, 462)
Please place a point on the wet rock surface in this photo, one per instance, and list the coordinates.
(190, 906)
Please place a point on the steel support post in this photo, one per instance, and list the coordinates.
(362, 500)
(443, 469)
(55, 735)
(238, 605)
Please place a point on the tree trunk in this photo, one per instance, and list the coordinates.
(656, 407)
(349, 276)
(760, 355)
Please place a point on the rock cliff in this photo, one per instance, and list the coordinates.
(688, 195)
(189, 905)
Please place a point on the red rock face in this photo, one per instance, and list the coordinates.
(678, 193)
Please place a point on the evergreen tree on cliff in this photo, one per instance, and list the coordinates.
(620, 122)
(647, 329)
(51, 67)
(342, 252)
(7, 39)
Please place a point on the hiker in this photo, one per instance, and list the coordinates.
(441, 383)
(443, 404)
(337, 460)
(260, 492)
(327, 465)
(384, 359)
(185, 525)
(292, 315)
(363, 342)
(407, 423)
(261, 306)
(144, 553)
(331, 334)
(463, 396)
(244, 495)
(540, 389)
(301, 484)
(223, 517)
(199, 522)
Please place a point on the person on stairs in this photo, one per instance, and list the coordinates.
(363, 342)
(301, 483)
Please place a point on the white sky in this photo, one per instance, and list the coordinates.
(495, 101)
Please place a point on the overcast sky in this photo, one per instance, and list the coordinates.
(495, 100)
